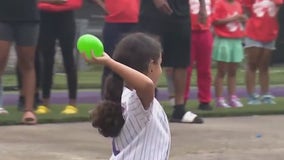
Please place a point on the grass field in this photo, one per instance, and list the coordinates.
(91, 79)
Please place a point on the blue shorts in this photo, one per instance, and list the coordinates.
(254, 43)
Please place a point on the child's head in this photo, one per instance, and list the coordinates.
(140, 52)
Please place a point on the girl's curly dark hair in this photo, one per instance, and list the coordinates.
(107, 116)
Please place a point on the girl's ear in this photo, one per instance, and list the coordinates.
(151, 66)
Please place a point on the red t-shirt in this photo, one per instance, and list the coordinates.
(68, 5)
(122, 11)
(194, 10)
(224, 9)
(262, 24)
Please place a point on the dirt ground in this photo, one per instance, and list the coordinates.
(234, 138)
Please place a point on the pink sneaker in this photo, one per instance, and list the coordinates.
(221, 102)
(235, 102)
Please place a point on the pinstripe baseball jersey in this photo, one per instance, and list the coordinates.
(145, 134)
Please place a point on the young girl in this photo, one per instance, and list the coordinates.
(227, 49)
(129, 113)
(261, 33)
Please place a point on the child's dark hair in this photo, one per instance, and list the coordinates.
(135, 50)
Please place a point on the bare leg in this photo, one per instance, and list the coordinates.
(4, 53)
(252, 60)
(232, 72)
(264, 71)
(26, 65)
(219, 78)
(234, 101)
(179, 77)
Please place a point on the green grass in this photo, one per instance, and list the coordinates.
(91, 79)
(55, 117)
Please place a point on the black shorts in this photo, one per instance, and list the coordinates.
(174, 35)
(22, 33)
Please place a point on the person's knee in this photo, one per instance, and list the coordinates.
(263, 68)
(232, 74)
(221, 74)
(26, 64)
(252, 66)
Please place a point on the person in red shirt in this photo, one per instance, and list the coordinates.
(261, 33)
(227, 49)
(200, 54)
(121, 18)
(57, 22)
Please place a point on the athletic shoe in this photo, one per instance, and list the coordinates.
(42, 110)
(69, 109)
(253, 99)
(221, 102)
(3, 111)
(268, 99)
(235, 102)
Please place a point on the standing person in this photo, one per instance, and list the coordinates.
(2, 110)
(261, 34)
(19, 24)
(200, 54)
(169, 20)
(121, 17)
(129, 112)
(227, 49)
(58, 22)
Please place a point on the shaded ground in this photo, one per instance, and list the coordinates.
(238, 138)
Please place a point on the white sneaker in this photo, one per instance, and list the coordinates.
(221, 102)
(235, 102)
(3, 111)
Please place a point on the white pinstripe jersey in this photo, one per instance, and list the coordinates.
(145, 134)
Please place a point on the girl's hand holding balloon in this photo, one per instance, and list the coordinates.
(103, 60)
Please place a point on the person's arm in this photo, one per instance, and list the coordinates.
(144, 86)
(239, 17)
(202, 12)
(163, 6)
(246, 10)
